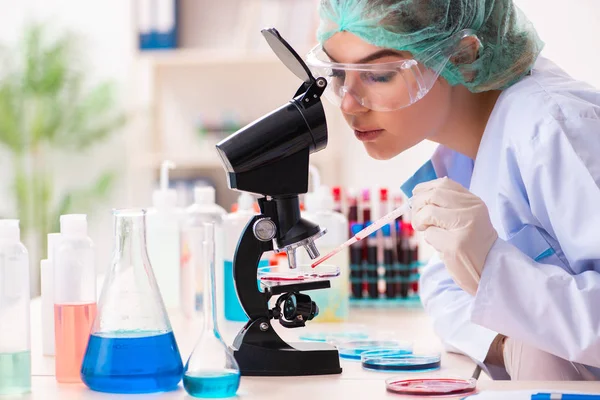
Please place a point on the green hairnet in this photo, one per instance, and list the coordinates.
(509, 43)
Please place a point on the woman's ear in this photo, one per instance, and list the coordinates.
(467, 53)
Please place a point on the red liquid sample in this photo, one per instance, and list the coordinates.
(72, 325)
(433, 387)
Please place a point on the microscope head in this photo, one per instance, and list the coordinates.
(271, 155)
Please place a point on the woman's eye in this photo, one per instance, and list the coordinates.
(378, 77)
(337, 73)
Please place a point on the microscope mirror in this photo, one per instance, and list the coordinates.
(287, 55)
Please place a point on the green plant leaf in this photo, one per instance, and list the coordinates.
(22, 197)
(93, 119)
(10, 116)
(46, 104)
(84, 200)
(47, 65)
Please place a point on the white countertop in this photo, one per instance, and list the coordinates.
(408, 324)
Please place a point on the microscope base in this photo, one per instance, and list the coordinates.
(298, 359)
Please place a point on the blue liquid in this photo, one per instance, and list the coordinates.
(212, 384)
(132, 362)
(233, 307)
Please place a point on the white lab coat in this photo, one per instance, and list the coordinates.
(538, 171)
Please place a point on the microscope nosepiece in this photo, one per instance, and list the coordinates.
(291, 254)
(311, 249)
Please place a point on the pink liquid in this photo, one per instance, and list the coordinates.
(72, 325)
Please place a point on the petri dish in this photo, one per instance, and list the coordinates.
(352, 350)
(431, 387)
(287, 275)
(389, 360)
(333, 336)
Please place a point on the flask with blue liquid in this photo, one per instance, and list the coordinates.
(211, 371)
(131, 348)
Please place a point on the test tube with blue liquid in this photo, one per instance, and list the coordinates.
(131, 348)
(211, 371)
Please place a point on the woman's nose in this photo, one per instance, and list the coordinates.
(350, 105)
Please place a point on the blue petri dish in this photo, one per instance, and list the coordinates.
(353, 350)
(333, 336)
(392, 360)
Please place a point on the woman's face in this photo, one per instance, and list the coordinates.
(386, 134)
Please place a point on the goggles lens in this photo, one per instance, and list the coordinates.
(379, 87)
(387, 86)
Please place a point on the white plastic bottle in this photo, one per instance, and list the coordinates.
(47, 288)
(15, 355)
(74, 296)
(233, 226)
(203, 210)
(333, 303)
(163, 230)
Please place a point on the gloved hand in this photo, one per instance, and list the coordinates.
(527, 363)
(457, 224)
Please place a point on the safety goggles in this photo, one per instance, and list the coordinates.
(387, 86)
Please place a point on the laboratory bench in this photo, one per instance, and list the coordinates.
(411, 324)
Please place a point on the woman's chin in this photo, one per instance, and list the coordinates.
(380, 152)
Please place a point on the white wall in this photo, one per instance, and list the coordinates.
(109, 47)
(571, 32)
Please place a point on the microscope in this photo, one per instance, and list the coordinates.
(270, 157)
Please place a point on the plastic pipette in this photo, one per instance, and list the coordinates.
(389, 218)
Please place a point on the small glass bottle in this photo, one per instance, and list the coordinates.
(132, 348)
(15, 357)
(211, 371)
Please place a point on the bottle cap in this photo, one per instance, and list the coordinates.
(324, 199)
(165, 197)
(337, 193)
(383, 194)
(387, 230)
(309, 201)
(73, 225)
(204, 195)
(366, 195)
(408, 228)
(356, 227)
(352, 197)
(245, 202)
(9, 230)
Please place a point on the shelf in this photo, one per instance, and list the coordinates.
(205, 57)
(206, 157)
(203, 160)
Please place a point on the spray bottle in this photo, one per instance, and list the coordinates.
(203, 210)
(233, 225)
(333, 302)
(163, 226)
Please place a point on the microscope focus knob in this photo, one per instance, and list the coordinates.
(264, 229)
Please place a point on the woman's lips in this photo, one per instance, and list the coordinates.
(367, 135)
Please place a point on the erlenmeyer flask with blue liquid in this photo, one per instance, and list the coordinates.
(211, 371)
(132, 348)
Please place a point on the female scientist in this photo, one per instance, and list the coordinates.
(511, 198)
